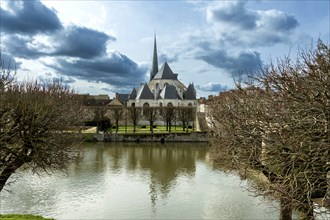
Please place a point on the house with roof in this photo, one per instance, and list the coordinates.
(94, 100)
(163, 89)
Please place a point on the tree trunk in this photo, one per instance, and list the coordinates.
(9, 170)
(286, 210)
(152, 127)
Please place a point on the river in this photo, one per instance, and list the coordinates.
(136, 181)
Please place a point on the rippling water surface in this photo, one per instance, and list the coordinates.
(136, 181)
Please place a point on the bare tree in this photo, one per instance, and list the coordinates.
(150, 113)
(100, 117)
(186, 114)
(36, 127)
(279, 125)
(134, 113)
(192, 116)
(168, 114)
(117, 113)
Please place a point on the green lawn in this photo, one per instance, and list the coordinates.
(141, 129)
(22, 217)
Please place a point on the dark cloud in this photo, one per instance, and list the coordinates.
(23, 21)
(21, 46)
(235, 35)
(28, 17)
(72, 41)
(212, 87)
(236, 15)
(8, 62)
(276, 20)
(49, 78)
(116, 69)
(235, 24)
(236, 65)
(81, 42)
(233, 13)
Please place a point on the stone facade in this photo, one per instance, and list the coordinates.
(174, 137)
(163, 89)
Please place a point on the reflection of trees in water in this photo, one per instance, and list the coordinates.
(167, 163)
(164, 163)
(92, 159)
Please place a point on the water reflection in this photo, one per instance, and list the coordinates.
(162, 164)
(131, 181)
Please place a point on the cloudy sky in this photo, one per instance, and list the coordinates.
(103, 47)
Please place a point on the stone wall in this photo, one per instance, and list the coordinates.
(174, 137)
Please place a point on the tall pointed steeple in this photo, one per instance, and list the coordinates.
(154, 67)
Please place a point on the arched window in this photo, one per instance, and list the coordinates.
(170, 104)
(166, 84)
(145, 108)
(133, 104)
(157, 86)
(160, 104)
(189, 104)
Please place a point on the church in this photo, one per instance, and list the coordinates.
(163, 88)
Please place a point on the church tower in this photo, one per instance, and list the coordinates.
(154, 67)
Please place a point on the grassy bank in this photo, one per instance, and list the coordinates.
(22, 216)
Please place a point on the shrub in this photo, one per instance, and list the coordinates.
(90, 123)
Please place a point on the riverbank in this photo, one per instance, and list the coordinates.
(22, 216)
(147, 137)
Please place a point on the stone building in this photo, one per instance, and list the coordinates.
(163, 88)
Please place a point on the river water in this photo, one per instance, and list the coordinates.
(137, 181)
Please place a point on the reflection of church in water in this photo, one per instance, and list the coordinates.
(163, 165)
(163, 89)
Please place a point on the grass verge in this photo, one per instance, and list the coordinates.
(22, 216)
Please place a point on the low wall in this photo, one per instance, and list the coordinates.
(174, 137)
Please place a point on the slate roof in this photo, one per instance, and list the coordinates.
(165, 72)
(133, 94)
(115, 102)
(190, 93)
(144, 92)
(169, 92)
(100, 97)
(95, 100)
(122, 97)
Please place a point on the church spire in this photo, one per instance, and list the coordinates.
(154, 67)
